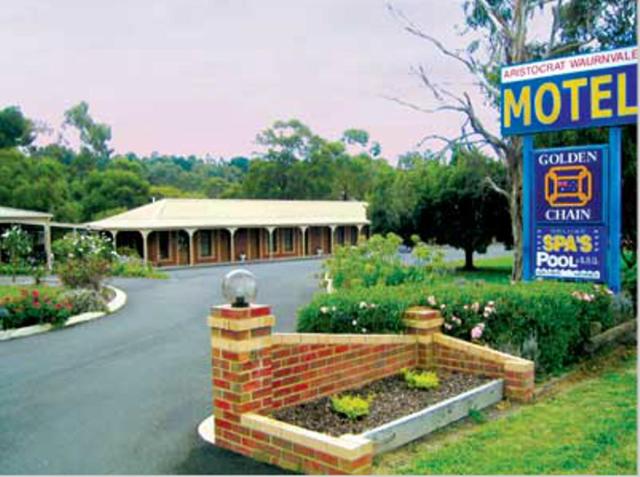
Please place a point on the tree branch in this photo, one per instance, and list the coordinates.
(497, 188)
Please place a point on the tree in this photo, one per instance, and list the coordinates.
(111, 189)
(17, 243)
(94, 136)
(457, 206)
(504, 29)
(15, 129)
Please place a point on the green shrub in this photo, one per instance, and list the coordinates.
(421, 379)
(135, 268)
(83, 260)
(376, 262)
(351, 406)
(34, 308)
(18, 244)
(83, 300)
(22, 268)
(545, 321)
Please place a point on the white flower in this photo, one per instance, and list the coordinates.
(363, 304)
(333, 308)
(324, 309)
(443, 306)
(465, 307)
(432, 300)
(447, 326)
(354, 322)
(491, 303)
(373, 305)
(475, 307)
(364, 330)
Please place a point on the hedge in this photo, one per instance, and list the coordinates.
(546, 321)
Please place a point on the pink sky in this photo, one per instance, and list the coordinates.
(204, 76)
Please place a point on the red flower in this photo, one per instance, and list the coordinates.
(58, 306)
(35, 294)
(36, 304)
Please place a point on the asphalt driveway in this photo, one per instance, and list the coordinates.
(124, 394)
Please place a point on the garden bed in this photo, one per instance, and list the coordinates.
(393, 400)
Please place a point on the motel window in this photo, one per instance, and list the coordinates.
(206, 243)
(354, 235)
(340, 235)
(287, 239)
(163, 245)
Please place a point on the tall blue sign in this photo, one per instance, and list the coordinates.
(568, 220)
(571, 195)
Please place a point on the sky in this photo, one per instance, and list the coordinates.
(205, 76)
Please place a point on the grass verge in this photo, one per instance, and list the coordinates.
(586, 428)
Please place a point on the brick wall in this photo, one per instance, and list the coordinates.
(303, 372)
(256, 372)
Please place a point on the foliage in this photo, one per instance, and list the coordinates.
(545, 321)
(84, 300)
(376, 262)
(593, 425)
(135, 268)
(38, 272)
(458, 207)
(33, 308)
(351, 406)
(15, 129)
(83, 260)
(17, 243)
(417, 379)
(22, 268)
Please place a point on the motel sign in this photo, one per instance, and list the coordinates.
(571, 195)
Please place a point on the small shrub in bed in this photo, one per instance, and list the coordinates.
(83, 300)
(417, 379)
(549, 322)
(351, 406)
(83, 260)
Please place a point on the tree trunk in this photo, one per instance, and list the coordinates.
(468, 259)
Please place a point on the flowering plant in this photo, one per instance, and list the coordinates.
(84, 259)
(33, 308)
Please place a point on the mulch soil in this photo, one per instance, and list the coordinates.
(393, 399)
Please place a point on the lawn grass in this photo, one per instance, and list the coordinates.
(587, 429)
(495, 269)
(16, 290)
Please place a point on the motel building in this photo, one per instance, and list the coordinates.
(178, 232)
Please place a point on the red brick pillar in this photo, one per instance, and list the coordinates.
(242, 370)
(424, 322)
(519, 378)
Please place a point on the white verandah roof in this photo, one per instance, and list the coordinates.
(221, 213)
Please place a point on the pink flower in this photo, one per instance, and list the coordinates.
(476, 331)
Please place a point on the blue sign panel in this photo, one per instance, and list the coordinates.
(569, 185)
(591, 90)
(570, 252)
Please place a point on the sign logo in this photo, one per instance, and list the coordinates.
(568, 186)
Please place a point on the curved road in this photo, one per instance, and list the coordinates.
(125, 393)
